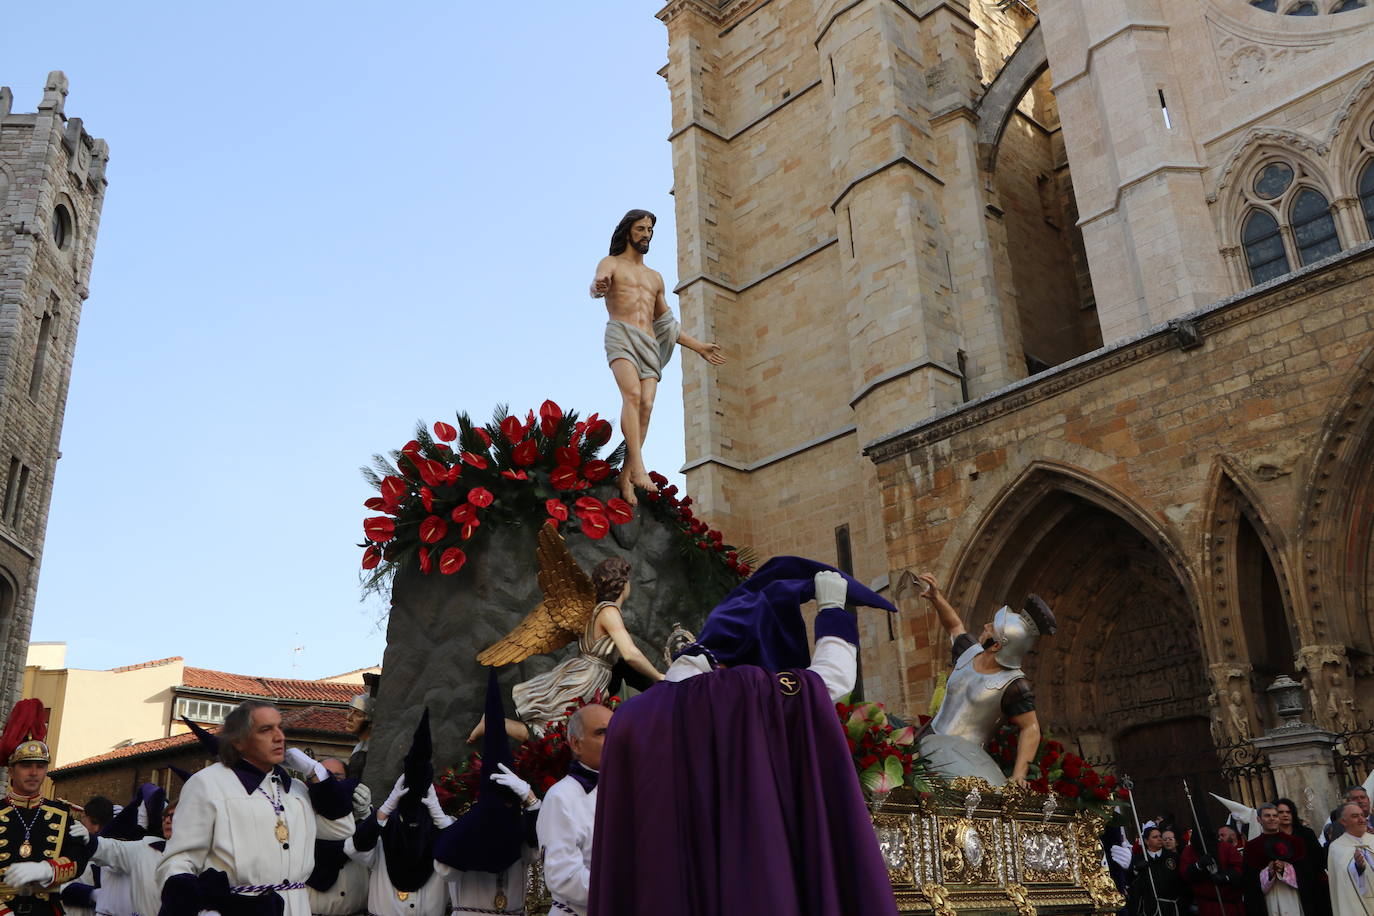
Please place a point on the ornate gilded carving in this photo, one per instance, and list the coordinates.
(1046, 854)
(1096, 880)
(940, 904)
(895, 840)
(969, 851)
(1020, 898)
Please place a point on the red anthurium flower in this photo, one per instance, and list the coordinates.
(376, 504)
(453, 473)
(619, 511)
(425, 563)
(594, 525)
(444, 447)
(411, 448)
(563, 478)
(452, 560)
(445, 432)
(464, 514)
(515, 475)
(556, 509)
(476, 461)
(526, 453)
(578, 429)
(588, 504)
(596, 470)
(598, 432)
(427, 498)
(468, 530)
(512, 429)
(433, 529)
(744, 569)
(379, 528)
(394, 489)
(432, 472)
(482, 434)
(549, 416)
(567, 455)
(480, 497)
(371, 557)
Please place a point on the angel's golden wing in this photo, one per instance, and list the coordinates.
(569, 599)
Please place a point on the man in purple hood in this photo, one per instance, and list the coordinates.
(729, 787)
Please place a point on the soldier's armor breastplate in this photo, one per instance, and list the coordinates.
(973, 701)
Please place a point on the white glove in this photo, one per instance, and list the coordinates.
(1121, 855)
(831, 589)
(22, 874)
(302, 762)
(392, 800)
(362, 801)
(510, 781)
(77, 831)
(436, 812)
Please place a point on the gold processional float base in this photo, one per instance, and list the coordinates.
(973, 849)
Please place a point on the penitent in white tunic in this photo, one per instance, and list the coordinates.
(131, 866)
(382, 897)
(221, 825)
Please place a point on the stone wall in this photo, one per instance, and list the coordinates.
(52, 187)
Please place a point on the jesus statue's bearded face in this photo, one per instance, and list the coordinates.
(641, 234)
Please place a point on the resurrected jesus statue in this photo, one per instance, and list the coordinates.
(640, 336)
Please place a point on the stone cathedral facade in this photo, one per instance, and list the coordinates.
(1071, 297)
(52, 186)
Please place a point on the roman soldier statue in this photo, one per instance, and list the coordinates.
(986, 687)
(42, 844)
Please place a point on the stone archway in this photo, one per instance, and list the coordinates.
(1125, 679)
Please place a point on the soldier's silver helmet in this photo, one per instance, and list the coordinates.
(1017, 630)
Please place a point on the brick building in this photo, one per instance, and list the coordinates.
(1069, 297)
(52, 187)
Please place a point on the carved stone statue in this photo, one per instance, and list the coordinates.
(574, 607)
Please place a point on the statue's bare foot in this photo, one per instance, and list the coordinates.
(627, 489)
(641, 479)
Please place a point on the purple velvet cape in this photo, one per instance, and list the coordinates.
(720, 795)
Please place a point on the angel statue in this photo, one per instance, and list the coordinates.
(575, 607)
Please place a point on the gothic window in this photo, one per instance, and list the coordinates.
(1288, 222)
(1314, 228)
(1269, 6)
(1308, 7)
(61, 226)
(1345, 6)
(1366, 192)
(1263, 247)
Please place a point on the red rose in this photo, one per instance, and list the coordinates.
(465, 514)
(480, 497)
(598, 431)
(526, 453)
(1066, 788)
(1123, 792)
(452, 560)
(550, 415)
(563, 478)
(685, 502)
(433, 529)
(596, 470)
(376, 504)
(427, 498)
(371, 557)
(744, 569)
(515, 475)
(1102, 793)
(394, 489)
(475, 460)
(619, 511)
(1073, 766)
(588, 504)
(379, 528)
(556, 509)
(513, 430)
(594, 525)
(482, 434)
(568, 455)
(425, 564)
(867, 761)
(445, 432)
(451, 477)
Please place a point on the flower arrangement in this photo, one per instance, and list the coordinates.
(885, 756)
(540, 761)
(1056, 770)
(438, 494)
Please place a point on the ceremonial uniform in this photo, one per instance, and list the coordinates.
(566, 820)
(39, 830)
(256, 828)
(1155, 884)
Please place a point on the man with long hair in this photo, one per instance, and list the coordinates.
(640, 335)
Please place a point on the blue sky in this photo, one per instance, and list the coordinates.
(324, 222)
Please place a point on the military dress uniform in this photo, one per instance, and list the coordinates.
(38, 829)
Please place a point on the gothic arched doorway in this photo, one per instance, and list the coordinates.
(1124, 680)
